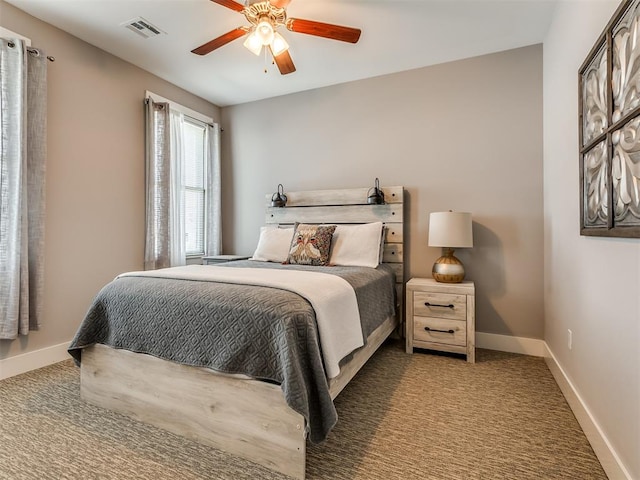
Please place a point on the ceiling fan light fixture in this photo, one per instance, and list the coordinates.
(279, 44)
(253, 43)
(265, 32)
(265, 17)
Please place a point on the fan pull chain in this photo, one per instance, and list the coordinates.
(265, 60)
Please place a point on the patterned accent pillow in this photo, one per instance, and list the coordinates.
(311, 244)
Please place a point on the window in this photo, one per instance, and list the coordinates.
(194, 186)
(183, 184)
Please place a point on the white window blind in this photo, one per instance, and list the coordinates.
(194, 186)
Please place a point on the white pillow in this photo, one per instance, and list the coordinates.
(357, 245)
(273, 245)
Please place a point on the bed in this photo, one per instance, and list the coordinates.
(244, 410)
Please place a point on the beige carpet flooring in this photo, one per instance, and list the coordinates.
(420, 416)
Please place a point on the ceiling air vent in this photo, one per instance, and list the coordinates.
(142, 27)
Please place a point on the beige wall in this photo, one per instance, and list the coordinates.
(95, 173)
(465, 136)
(592, 285)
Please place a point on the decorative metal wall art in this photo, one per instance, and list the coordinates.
(609, 126)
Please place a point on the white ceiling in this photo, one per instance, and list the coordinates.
(397, 35)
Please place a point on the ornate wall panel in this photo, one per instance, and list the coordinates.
(594, 97)
(626, 63)
(609, 128)
(596, 186)
(625, 173)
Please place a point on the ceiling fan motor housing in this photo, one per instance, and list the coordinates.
(260, 11)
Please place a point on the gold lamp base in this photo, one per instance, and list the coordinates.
(448, 269)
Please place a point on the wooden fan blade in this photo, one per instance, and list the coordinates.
(326, 30)
(220, 41)
(284, 62)
(238, 7)
(280, 3)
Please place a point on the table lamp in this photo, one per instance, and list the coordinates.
(449, 230)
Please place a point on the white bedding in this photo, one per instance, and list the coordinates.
(332, 298)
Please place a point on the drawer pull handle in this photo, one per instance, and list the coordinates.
(427, 304)
(436, 330)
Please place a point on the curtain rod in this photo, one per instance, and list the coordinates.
(32, 51)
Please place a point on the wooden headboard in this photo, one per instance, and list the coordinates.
(349, 206)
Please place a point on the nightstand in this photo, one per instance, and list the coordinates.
(441, 316)
(214, 259)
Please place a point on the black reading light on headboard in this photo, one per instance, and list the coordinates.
(279, 199)
(375, 196)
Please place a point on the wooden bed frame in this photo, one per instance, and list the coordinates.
(234, 413)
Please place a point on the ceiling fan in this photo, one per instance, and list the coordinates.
(265, 17)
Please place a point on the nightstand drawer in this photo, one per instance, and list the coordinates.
(438, 330)
(440, 305)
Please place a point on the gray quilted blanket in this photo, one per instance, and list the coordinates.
(262, 332)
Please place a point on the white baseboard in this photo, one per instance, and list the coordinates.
(26, 362)
(507, 343)
(607, 456)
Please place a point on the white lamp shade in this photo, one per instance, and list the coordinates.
(253, 43)
(278, 45)
(450, 229)
(264, 30)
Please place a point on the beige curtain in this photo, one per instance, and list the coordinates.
(213, 207)
(165, 242)
(23, 112)
(158, 178)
